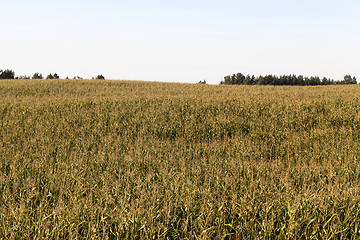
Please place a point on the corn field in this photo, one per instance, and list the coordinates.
(97, 159)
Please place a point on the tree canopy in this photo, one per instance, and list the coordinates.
(7, 74)
(100, 77)
(37, 76)
(239, 79)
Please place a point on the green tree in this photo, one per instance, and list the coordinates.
(247, 80)
(7, 74)
(37, 76)
(293, 80)
(253, 80)
(240, 78)
(349, 80)
(50, 76)
(314, 81)
(270, 80)
(325, 81)
(227, 80)
(260, 80)
(23, 77)
(300, 80)
(283, 80)
(56, 76)
(233, 79)
(100, 77)
(202, 82)
(354, 80)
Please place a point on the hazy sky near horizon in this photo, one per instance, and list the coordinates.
(182, 41)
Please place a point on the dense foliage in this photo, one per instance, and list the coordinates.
(37, 76)
(100, 77)
(241, 79)
(118, 160)
(7, 74)
(51, 76)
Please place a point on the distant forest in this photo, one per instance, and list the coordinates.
(293, 80)
(10, 74)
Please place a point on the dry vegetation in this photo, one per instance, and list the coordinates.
(139, 160)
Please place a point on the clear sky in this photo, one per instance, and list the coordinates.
(180, 41)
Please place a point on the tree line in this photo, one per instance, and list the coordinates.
(241, 79)
(10, 74)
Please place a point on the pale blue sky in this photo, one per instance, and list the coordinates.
(183, 41)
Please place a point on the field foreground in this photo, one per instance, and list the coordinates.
(144, 160)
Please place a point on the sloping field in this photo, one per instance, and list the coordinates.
(142, 160)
